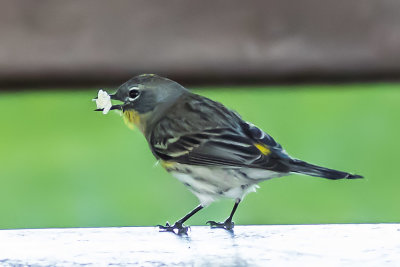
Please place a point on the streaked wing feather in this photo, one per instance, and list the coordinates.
(209, 134)
(218, 147)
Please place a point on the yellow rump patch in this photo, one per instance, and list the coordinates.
(263, 148)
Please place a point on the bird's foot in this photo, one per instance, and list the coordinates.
(178, 228)
(228, 224)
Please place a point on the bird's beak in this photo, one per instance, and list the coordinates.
(113, 97)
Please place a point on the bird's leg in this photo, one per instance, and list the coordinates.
(178, 225)
(228, 224)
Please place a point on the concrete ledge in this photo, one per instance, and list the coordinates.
(286, 245)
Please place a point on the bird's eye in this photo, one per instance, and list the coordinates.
(134, 93)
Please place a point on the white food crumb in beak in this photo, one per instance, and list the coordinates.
(103, 101)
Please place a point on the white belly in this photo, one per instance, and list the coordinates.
(212, 183)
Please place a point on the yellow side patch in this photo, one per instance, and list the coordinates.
(167, 164)
(131, 118)
(263, 148)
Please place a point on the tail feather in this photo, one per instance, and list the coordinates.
(302, 167)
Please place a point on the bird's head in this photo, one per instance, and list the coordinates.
(145, 97)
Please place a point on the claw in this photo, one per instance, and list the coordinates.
(181, 229)
(227, 225)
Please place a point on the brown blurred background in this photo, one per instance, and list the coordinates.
(54, 43)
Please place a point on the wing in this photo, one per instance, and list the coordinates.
(249, 147)
(261, 137)
(209, 134)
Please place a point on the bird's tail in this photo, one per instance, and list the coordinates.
(302, 167)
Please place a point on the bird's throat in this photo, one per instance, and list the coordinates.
(132, 119)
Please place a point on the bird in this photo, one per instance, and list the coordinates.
(205, 145)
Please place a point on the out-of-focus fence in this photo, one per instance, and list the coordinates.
(105, 41)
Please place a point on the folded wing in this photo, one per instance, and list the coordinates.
(246, 147)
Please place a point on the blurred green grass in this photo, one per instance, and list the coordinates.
(63, 165)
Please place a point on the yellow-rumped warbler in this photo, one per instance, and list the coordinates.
(206, 146)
